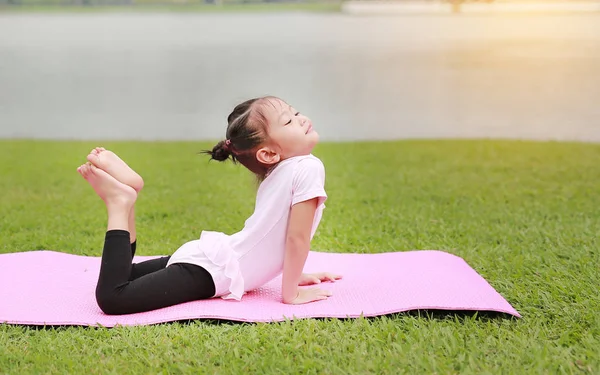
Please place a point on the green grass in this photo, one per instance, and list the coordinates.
(320, 7)
(523, 214)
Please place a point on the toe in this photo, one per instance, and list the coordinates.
(83, 170)
(93, 157)
(93, 169)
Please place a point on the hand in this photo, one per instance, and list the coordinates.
(317, 278)
(310, 295)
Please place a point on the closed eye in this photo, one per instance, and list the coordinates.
(289, 122)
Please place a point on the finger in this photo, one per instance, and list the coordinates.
(331, 277)
(319, 297)
(310, 281)
(315, 292)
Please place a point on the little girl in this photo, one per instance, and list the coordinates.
(272, 140)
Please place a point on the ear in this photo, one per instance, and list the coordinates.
(267, 155)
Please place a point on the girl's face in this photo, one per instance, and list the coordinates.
(290, 131)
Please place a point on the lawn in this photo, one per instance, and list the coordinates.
(525, 215)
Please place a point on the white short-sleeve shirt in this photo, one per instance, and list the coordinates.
(248, 259)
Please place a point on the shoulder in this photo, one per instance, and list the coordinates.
(308, 167)
(310, 162)
(294, 169)
(300, 164)
(308, 170)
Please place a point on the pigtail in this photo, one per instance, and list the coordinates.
(221, 151)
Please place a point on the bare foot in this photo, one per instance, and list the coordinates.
(107, 187)
(109, 162)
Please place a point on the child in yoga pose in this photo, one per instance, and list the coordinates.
(273, 141)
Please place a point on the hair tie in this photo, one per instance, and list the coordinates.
(228, 145)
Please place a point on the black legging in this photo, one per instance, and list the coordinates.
(125, 288)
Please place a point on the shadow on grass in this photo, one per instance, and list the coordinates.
(455, 315)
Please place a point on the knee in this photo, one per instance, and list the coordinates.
(109, 302)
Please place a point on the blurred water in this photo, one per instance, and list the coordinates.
(161, 76)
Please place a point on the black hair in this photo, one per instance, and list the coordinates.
(247, 130)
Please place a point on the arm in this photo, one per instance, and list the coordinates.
(297, 246)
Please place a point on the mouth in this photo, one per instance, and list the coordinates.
(310, 128)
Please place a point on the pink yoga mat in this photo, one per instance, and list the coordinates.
(51, 288)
